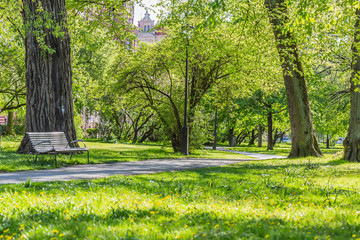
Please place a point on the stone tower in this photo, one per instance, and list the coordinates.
(146, 24)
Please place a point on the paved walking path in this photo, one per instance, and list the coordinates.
(254, 155)
(124, 168)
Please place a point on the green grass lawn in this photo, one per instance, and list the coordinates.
(283, 149)
(99, 153)
(274, 199)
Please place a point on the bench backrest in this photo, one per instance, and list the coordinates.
(58, 140)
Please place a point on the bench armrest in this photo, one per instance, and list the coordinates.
(80, 140)
(46, 141)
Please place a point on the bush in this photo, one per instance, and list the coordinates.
(3, 127)
(92, 132)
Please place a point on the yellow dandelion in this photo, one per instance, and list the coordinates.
(61, 235)
(267, 236)
(152, 212)
(89, 228)
(354, 235)
(315, 238)
(23, 191)
(55, 231)
(42, 193)
(8, 237)
(204, 235)
(74, 236)
(186, 226)
(177, 237)
(216, 226)
(53, 238)
(1, 236)
(6, 230)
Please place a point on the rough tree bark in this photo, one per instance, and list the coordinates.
(304, 142)
(352, 140)
(49, 104)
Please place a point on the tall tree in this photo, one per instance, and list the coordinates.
(12, 55)
(48, 70)
(352, 140)
(304, 142)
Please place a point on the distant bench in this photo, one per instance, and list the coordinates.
(54, 143)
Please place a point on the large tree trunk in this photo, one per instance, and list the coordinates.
(304, 142)
(49, 104)
(260, 136)
(10, 123)
(352, 140)
(270, 130)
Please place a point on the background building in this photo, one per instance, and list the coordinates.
(146, 30)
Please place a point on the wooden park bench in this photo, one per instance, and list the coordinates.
(54, 143)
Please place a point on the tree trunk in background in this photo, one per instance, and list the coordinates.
(49, 104)
(252, 137)
(270, 145)
(327, 141)
(352, 140)
(10, 124)
(232, 138)
(215, 130)
(304, 142)
(260, 136)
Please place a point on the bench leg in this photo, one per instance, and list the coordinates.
(71, 156)
(36, 158)
(88, 158)
(55, 160)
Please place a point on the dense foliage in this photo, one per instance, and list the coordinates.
(234, 66)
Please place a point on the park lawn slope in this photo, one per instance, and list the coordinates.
(304, 198)
(100, 152)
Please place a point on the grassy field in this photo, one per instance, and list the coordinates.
(99, 153)
(284, 149)
(278, 199)
(304, 198)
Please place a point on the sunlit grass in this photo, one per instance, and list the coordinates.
(283, 149)
(99, 153)
(306, 198)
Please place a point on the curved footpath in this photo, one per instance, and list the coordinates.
(124, 168)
